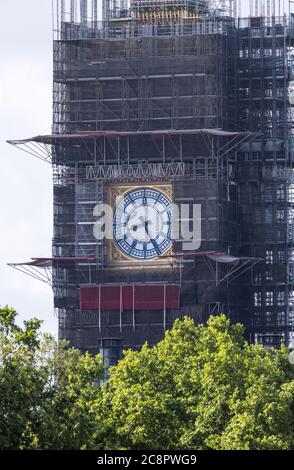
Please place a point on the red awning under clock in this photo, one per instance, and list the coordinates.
(130, 297)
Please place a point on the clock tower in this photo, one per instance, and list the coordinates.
(145, 113)
(175, 119)
(144, 106)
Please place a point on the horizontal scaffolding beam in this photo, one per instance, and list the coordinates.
(54, 138)
(43, 146)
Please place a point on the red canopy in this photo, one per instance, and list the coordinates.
(130, 297)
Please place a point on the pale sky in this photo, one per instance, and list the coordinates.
(26, 186)
(26, 183)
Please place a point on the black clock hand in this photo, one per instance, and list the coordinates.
(146, 227)
(154, 243)
(137, 226)
(130, 217)
(145, 224)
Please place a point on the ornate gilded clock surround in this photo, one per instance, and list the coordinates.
(115, 256)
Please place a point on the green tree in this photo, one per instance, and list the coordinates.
(202, 387)
(48, 392)
(67, 418)
(20, 385)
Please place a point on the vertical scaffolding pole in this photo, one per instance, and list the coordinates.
(250, 7)
(273, 7)
(235, 7)
(57, 17)
(72, 11)
(95, 11)
(256, 7)
(62, 11)
(231, 8)
(120, 308)
(105, 10)
(99, 311)
(134, 314)
(84, 11)
(268, 8)
(164, 307)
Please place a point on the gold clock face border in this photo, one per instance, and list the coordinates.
(115, 256)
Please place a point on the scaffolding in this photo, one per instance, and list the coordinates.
(150, 69)
(265, 171)
(146, 102)
(86, 14)
(192, 94)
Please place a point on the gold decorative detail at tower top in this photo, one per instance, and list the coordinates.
(160, 11)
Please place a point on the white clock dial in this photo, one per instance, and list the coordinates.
(142, 224)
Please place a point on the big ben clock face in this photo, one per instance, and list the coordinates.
(142, 224)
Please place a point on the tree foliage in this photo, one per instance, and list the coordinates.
(201, 387)
(47, 391)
